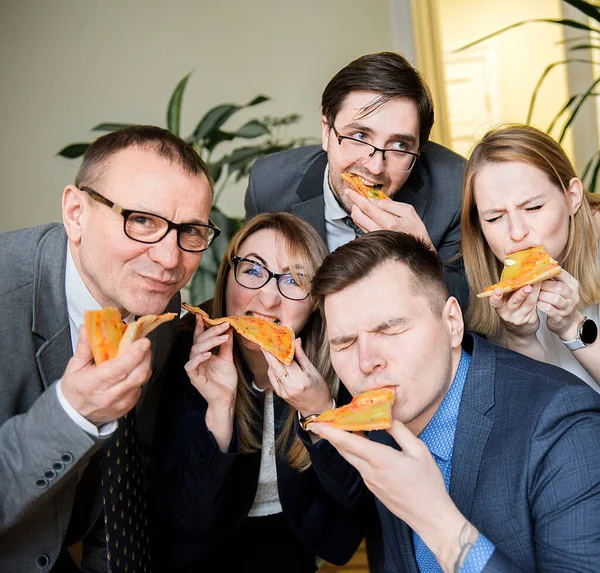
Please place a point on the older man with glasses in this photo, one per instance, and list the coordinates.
(75, 438)
(377, 116)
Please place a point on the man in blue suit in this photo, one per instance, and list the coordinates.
(492, 461)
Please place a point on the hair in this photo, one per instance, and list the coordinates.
(524, 144)
(157, 139)
(357, 259)
(302, 244)
(390, 75)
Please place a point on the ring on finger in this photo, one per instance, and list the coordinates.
(280, 378)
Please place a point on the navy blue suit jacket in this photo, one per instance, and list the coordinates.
(525, 468)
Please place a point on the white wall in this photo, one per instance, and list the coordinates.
(66, 65)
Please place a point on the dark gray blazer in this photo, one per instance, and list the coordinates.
(525, 468)
(43, 453)
(292, 181)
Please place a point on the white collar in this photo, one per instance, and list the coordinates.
(333, 209)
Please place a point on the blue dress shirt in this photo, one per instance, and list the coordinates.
(438, 436)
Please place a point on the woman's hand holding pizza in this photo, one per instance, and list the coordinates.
(376, 215)
(558, 299)
(299, 383)
(215, 377)
(518, 311)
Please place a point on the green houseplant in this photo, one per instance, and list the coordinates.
(565, 116)
(260, 136)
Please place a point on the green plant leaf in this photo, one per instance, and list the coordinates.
(562, 22)
(582, 99)
(563, 109)
(583, 47)
(586, 7)
(74, 150)
(216, 169)
(111, 126)
(252, 129)
(258, 99)
(213, 119)
(538, 86)
(174, 108)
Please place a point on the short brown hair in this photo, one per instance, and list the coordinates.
(160, 140)
(522, 144)
(357, 259)
(387, 73)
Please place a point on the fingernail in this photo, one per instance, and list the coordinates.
(224, 337)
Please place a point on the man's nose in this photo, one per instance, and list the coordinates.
(376, 162)
(166, 252)
(370, 358)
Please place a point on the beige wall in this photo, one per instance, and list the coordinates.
(521, 54)
(67, 65)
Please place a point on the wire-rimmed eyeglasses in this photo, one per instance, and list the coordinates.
(361, 150)
(252, 275)
(150, 228)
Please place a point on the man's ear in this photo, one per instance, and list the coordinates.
(72, 212)
(452, 316)
(325, 132)
(575, 192)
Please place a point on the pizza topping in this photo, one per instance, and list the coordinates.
(109, 336)
(370, 410)
(526, 267)
(368, 190)
(274, 338)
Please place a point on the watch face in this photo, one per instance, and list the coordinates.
(589, 331)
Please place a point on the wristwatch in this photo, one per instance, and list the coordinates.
(586, 334)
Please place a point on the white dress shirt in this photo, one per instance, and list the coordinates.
(338, 233)
(79, 299)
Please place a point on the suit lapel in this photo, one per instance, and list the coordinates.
(416, 190)
(473, 427)
(310, 190)
(50, 322)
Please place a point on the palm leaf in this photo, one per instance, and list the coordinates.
(586, 7)
(174, 108)
(580, 102)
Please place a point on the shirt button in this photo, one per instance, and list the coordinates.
(42, 561)
(41, 482)
(66, 458)
(50, 475)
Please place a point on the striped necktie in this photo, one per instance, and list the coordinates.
(357, 230)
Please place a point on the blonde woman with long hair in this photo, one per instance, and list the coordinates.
(236, 487)
(521, 191)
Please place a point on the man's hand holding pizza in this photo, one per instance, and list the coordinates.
(410, 484)
(376, 215)
(215, 377)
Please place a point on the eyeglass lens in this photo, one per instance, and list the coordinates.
(363, 151)
(254, 276)
(148, 228)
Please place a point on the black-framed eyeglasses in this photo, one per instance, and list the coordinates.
(150, 228)
(361, 150)
(251, 274)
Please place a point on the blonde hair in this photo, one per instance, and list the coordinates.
(303, 245)
(524, 144)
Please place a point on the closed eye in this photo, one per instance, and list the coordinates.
(493, 219)
(534, 208)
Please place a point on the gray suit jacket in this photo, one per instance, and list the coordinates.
(43, 453)
(525, 468)
(292, 181)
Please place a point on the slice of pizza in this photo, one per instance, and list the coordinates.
(370, 410)
(368, 191)
(104, 330)
(143, 326)
(108, 335)
(274, 338)
(522, 268)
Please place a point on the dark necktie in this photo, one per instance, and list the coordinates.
(357, 230)
(125, 512)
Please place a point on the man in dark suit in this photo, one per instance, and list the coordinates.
(135, 224)
(377, 116)
(491, 462)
